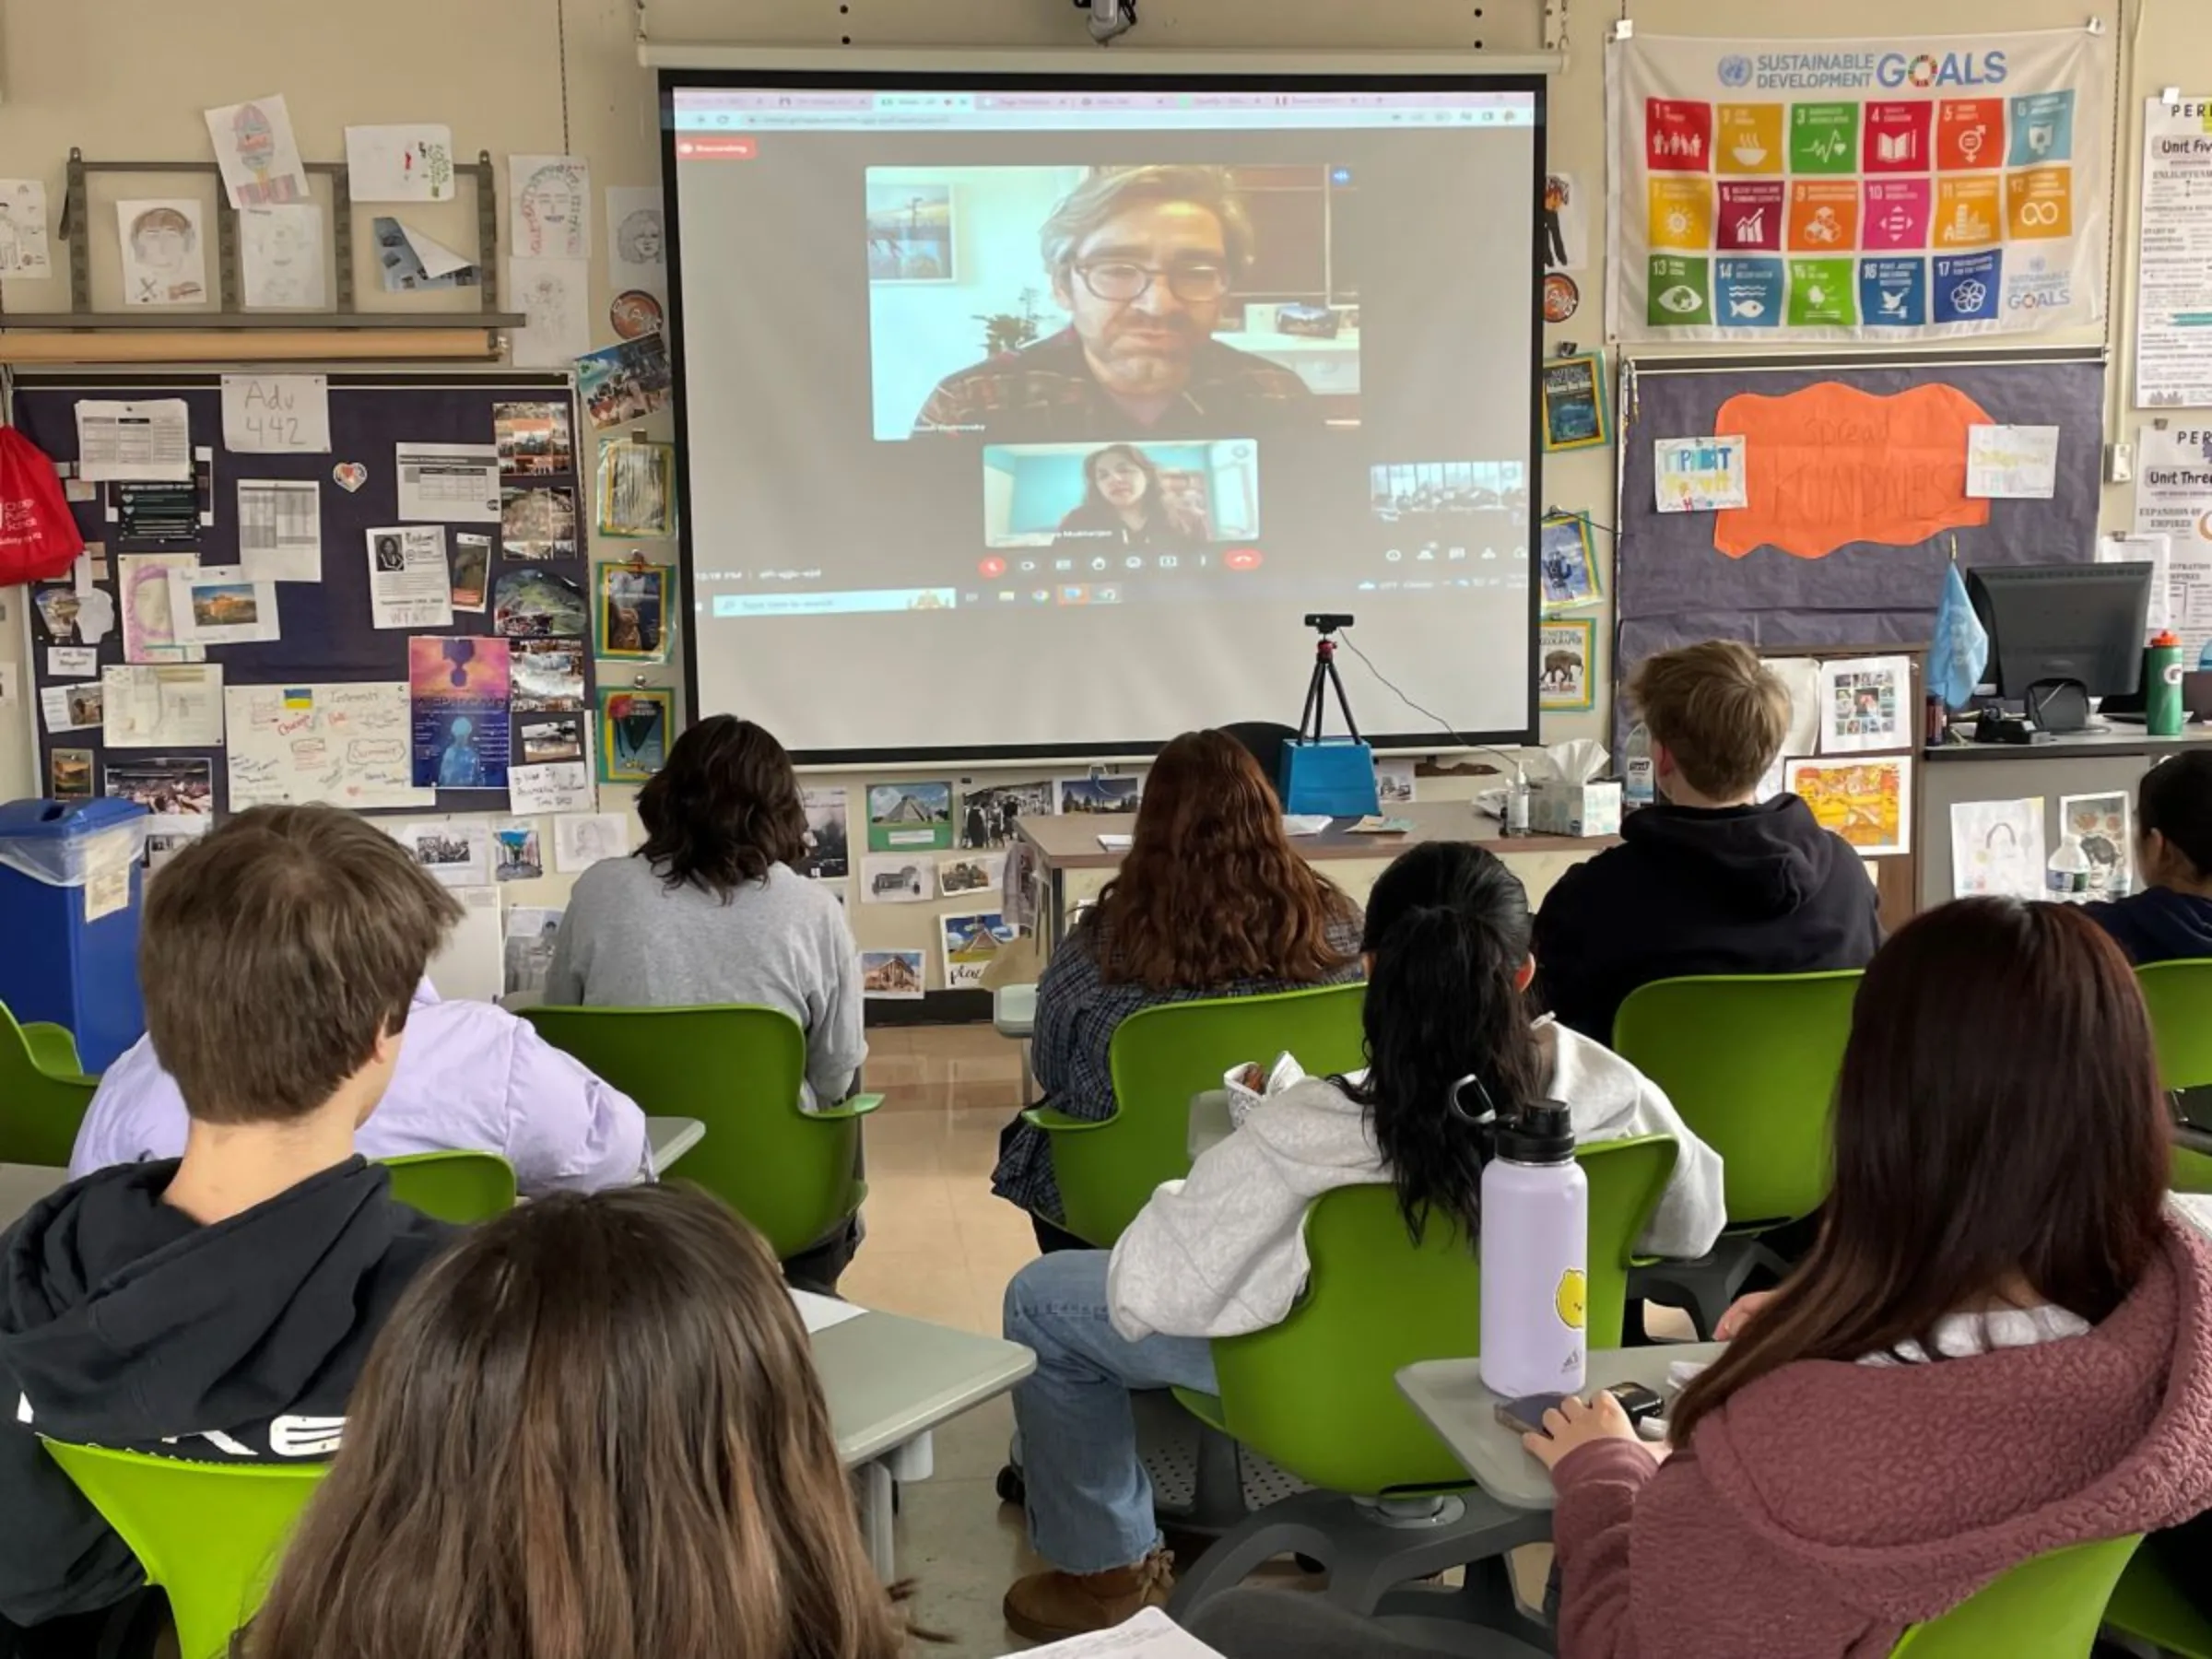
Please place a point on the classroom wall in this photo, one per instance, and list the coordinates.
(128, 78)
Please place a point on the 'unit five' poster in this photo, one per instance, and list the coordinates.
(1857, 190)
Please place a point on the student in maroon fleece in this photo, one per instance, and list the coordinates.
(1712, 879)
(1999, 1347)
(2171, 919)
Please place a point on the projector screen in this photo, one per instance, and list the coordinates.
(1032, 415)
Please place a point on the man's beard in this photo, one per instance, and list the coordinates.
(1151, 365)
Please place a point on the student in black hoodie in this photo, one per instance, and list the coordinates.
(219, 1306)
(2171, 919)
(1709, 880)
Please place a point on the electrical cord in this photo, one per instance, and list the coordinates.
(1443, 724)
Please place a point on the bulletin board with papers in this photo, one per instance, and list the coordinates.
(361, 589)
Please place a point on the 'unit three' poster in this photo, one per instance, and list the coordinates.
(1902, 189)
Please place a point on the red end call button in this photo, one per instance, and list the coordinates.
(1241, 558)
(992, 567)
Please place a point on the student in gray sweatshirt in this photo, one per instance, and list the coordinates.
(1222, 1252)
(710, 910)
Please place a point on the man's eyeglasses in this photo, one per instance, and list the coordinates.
(1124, 279)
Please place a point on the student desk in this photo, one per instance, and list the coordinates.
(1450, 1396)
(670, 1138)
(22, 1185)
(2107, 763)
(1072, 867)
(889, 1381)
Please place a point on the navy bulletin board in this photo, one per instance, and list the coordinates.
(327, 631)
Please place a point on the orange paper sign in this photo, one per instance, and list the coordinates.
(1829, 465)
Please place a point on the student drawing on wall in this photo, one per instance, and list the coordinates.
(638, 239)
(460, 764)
(164, 245)
(1557, 195)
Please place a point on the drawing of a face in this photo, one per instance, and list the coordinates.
(162, 239)
(638, 240)
(553, 204)
(149, 603)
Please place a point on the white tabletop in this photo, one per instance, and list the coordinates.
(671, 1137)
(22, 1185)
(890, 1379)
(1449, 1394)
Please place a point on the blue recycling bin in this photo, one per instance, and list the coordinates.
(70, 884)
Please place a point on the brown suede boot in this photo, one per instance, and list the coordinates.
(1051, 1606)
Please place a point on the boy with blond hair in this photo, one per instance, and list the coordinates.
(1710, 879)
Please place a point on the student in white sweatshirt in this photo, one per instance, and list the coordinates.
(1222, 1252)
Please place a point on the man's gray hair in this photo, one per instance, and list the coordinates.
(1110, 190)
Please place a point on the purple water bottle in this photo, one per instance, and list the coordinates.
(1536, 1257)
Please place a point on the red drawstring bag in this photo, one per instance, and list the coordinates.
(38, 538)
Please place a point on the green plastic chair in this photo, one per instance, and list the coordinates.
(2180, 998)
(1318, 1393)
(43, 1093)
(1160, 1058)
(210, 1535)
(738, 1070)
(2049, 1607)
(460, 1186)
(1750, 1062)
(2146, 1606)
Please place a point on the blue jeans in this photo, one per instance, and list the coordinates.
(1089, 1502)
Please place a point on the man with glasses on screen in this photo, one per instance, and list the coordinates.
(1141, 259)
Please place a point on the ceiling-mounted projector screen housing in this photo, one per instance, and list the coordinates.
(1028, 414)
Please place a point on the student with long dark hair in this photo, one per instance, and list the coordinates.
(2171, 919)
(1125, 505)
(594, 1428)
(1212, 900)
(1999, 1345)
(1222, 1253)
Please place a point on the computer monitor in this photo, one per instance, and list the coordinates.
(2080, 623)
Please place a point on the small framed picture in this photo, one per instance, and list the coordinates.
(910, 227)
(632, 603)
(1574, 403)
(1566, 561)
(1566, 659)
(634, 733)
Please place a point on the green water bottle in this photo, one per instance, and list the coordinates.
(2162, 686)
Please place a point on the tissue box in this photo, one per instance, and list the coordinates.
(1556, 808)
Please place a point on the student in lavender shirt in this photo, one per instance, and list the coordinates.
(470, 1076)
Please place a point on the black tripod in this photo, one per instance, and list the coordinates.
(1317, 689)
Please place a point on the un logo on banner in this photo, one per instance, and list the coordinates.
(1736, 70)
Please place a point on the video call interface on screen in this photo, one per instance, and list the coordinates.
(948, 351)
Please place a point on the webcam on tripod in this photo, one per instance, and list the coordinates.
(1328, 622)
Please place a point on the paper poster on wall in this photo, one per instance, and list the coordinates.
(148, 616)
(1997, 848)
(2101, 824)
(277, 414)
(24, 250)
(991, 813)
(280, 529)
(120, 440)
(164, 252)
(1699, 474)
(1867, 802)
(411, 262)
(453, 483)
(1867, 703)
(971, 943)
(1890, 190)
(561, 786)
(470, 964)
(177, 790)
(280, 257)
(828, 841)
(555, 294)
(549, 207)
(222, 604)
(170, 707)
(455, 852)
(898, 878)
(637, 240)
(532, 933)
(582, 839)
(458, 686)
(255, 150)
(2012, 463)
(1801, 678)
(409, 585)
(893, 975)
(2173, 499)
(910, 817)
(1564, 240)
(515, 845)
(344, 743)
(399, 163)
(2173, 256)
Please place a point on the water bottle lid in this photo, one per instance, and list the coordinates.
(1540, 1132)
(2167, 640)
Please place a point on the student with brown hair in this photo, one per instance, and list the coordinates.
(1212, 900)
(711, 910)
(2000, 1345)
(1710, 879)
(613, 1401)
(218, 1307)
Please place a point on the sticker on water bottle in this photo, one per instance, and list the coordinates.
(2171, 673)
(1572, 1299)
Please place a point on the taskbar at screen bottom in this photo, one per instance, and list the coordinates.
(1067, 595)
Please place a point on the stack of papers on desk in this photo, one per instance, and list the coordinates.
(1306, 823)
(1151, 1635)
(1115, 844)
